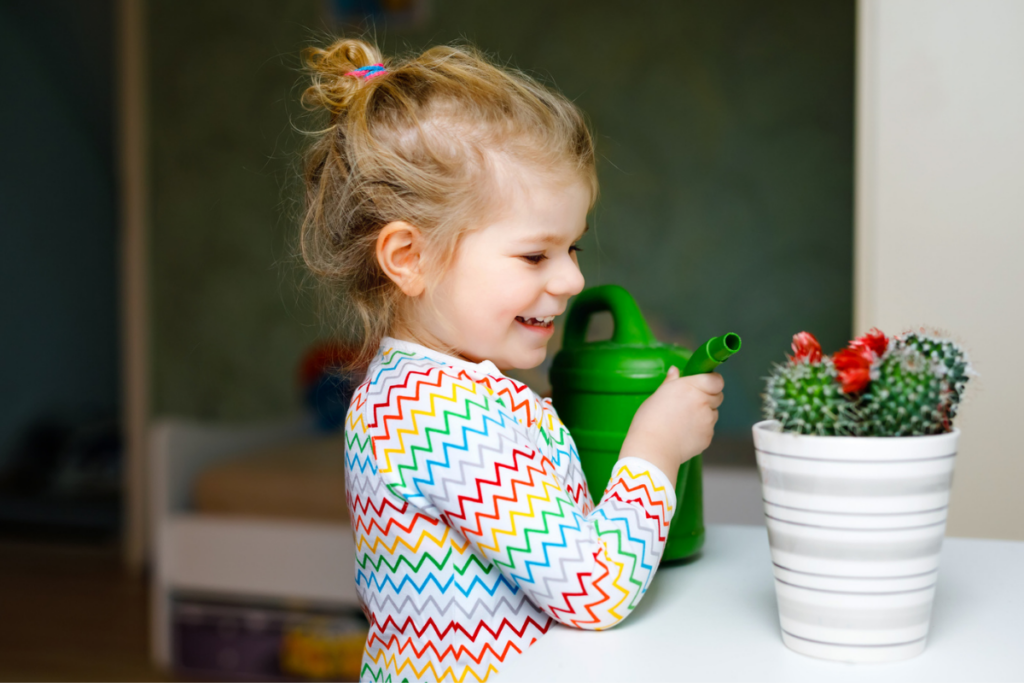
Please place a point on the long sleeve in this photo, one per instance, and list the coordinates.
(450, 446)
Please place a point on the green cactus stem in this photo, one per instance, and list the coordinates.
(906, 398)
(950, 362)
(806, 398)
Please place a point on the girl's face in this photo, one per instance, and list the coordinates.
(511, 278)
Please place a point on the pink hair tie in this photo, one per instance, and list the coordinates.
(368, 72)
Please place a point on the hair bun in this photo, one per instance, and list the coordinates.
(333, 87)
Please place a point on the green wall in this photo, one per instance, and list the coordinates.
(229, 319)
(725, 136)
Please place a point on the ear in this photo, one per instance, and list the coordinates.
(399, 253)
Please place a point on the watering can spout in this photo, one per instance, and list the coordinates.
(712, 353)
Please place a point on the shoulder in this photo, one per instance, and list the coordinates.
(413, 389)
(397, 367)
(549, 420)
(556, 435)
(516, 397)
(428, 420)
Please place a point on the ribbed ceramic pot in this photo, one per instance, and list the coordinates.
(855, 526)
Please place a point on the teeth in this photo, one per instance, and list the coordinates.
(543, 322)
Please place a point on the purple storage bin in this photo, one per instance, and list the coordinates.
(228, 641)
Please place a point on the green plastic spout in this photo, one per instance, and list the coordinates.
(712, 353)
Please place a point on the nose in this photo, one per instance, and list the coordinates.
(566, 280)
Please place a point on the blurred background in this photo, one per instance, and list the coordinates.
(157, 322)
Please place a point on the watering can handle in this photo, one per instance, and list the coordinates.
(630, 326)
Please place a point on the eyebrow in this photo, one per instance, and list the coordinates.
(549, 238)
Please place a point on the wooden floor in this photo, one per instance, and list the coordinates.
(71, 613)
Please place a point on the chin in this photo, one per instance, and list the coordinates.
(530, 360)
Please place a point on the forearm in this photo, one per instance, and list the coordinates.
(585, 571)
(635, 446)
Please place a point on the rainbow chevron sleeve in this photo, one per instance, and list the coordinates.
(474, 527)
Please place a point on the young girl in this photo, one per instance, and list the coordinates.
(444, 202)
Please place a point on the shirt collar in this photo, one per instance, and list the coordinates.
(485, 367)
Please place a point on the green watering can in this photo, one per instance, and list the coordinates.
(597, 387)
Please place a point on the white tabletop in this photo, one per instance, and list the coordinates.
(715, 619)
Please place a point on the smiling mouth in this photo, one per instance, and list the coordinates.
(537, 322)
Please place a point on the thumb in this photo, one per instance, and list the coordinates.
(673, 373)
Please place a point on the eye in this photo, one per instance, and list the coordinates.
(533, 258)
(575, 248)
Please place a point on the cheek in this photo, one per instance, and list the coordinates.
(473, 292)
(484, 293)
(494, 283)
(515, 294)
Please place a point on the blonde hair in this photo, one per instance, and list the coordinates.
(417, 143)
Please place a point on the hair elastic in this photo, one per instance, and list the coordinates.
(368, 72)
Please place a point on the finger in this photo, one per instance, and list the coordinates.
(673, 373)
(709, 383)
(716, 400)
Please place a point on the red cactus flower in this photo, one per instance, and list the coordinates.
(805, 347)
(874, 341)
(854, 367)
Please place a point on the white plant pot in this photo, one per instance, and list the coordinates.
(855, 526)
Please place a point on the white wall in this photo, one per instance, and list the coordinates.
(940, 218)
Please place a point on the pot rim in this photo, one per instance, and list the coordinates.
(770, 440)
(770, 426)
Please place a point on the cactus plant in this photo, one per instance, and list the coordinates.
(907, 398)
(910, 385)
(805, 396)
(950, 359)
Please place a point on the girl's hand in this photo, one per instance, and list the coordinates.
(676, 422)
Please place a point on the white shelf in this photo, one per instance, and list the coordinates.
(259, 558)
(235, 558)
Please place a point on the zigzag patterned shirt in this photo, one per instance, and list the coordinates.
(473, 524)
